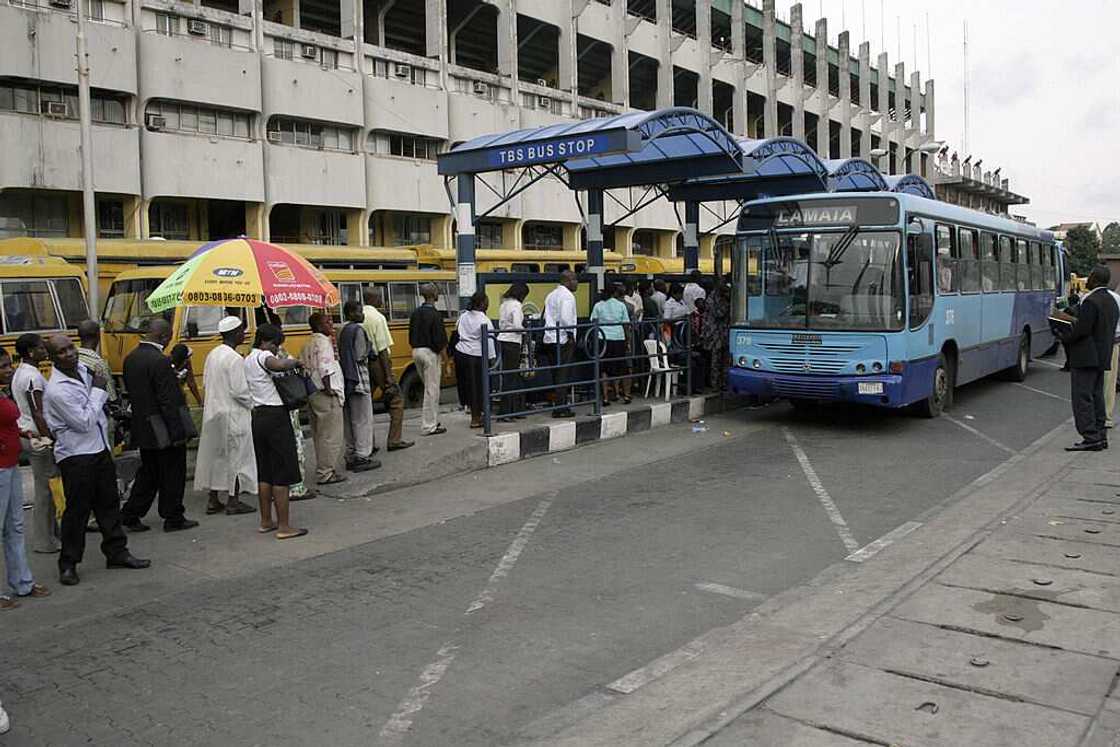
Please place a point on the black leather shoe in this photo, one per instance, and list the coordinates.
(128, 560)
(1088, 446)
(135, 525)
(180, 525)
(68, 576)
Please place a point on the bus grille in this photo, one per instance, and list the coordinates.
(804, 387)
(818, 358)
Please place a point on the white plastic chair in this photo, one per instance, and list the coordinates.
(659, 369)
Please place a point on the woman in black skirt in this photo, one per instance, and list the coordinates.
(511, 320)
(473, 324)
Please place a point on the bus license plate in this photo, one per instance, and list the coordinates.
(871, 387)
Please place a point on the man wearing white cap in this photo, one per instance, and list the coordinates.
(226, 462)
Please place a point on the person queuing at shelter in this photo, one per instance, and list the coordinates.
(274, 443)
(613, 317)
(660, 296)
(21, 583)
(1110, 374)
(381, 366)
(511, 341)
(74, 408)
(633, 299)
(327, 401)
(559, 346)
(27, 387)
(89, 347)
(473, 324)
(675, 307)
(159, 430)
(183, 366)
(354, 350)
(715, 333)
(225, 463)
(693, 290)
(428, 338)
(1089, 342)
(700, 361)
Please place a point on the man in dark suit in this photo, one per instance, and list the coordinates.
(159, 431)
(1089, 347)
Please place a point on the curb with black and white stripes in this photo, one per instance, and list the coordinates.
(566, 434)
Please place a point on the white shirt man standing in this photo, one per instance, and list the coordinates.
(560, 338)
(693, 291)
(226, 461)
(28, 386)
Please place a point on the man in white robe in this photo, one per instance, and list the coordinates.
(226, 462)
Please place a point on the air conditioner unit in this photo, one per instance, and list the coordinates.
(480, 88)
(401, 70)
(274, 136)
(53, 108)
(196, 26)
(156, 122)
(309, 51)
(544, 102)
(61, 3)
(542, 82)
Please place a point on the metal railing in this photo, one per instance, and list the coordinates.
(581, 370)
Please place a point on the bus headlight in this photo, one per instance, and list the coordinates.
(861, 369)
(743, 361)
(876, 366)
(757, 363)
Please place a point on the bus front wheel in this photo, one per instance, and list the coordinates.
(941, 390)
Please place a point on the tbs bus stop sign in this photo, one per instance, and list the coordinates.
(497, 155)
(557, 149)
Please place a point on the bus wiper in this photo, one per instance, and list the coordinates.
(841, 246)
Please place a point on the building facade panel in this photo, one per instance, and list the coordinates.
(306, 176)
(186, 69)
(471, 116)
(308, 91)
(177, 165)
(47, 155)
(395, 106)
(40, 45)
(405, 185)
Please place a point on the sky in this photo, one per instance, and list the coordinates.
(1044, 88)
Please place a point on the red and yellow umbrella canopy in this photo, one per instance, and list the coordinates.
(244, 273)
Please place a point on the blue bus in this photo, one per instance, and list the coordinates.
(885, 299)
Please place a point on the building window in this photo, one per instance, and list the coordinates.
(411, 229)
(403, 72)
(110, 219)
(488, 235)
(543, 236)
(169, 220)
(177, 117)
(95, 10)
(328, 59)
(310, 134)
(167, 24)
(31, 214)
(282, 49)
(31, 99)
(221, 36)
(410, 146)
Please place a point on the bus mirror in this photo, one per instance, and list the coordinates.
(915, 226)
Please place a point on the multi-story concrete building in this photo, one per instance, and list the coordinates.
(319, 120)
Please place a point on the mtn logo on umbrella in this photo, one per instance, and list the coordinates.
(281, 271)
(228, 272)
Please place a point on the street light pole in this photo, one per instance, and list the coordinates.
(89, 228)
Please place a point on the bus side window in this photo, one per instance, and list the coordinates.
(989, 262)
(919, 266)
(1051, 255)
(754, 266)
(1007, 272)
(1022, 265)
(1038, 280)
(947, 260)
(969, 249)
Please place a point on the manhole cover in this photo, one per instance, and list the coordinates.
(1074, 555)
(979, 661)
(1042, 581)
(1012, 617)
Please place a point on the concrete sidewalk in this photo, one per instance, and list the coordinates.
(997, 622)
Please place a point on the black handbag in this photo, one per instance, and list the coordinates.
(294, 387)
(161, 433)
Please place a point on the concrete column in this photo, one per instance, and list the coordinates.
(620, 55)
(595, 235)
(622, 240)
(797, 69)
(930, 109)
(738, 32)
(349, 14)
(507, 45)
(571, 237)
(898, 128)
(665, 54)
(357, 227)
(511, 235)
(865, 100)
(824, 100)
(135, 208)
(464, 245)
(915, 119)
(704, 44)
(845, 96)
(566, 79)
(691, 236)
(256, 220)
(770, 65)
(884, 163)
(435, 36)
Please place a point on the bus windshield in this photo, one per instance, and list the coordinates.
(835, 280)
(126, 309)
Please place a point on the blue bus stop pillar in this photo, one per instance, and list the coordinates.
(595, 235)
(691, 236)
(464, 244)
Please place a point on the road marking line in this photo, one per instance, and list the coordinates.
(1046, 363)
(730, 591)
(657, 668)
(1043, 392)
(871, 549)
(400, 723)
(980, 435)
(822, 495)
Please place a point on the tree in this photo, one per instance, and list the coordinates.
(1110, 240)
(1083, 250)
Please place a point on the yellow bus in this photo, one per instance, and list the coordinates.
(38, 294)
(515, 260)
(126, 312)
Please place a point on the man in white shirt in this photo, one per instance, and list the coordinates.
(226, 461)
(1110, 374)
(560, 343)
(321, 363)
(693, 291)
(659, 297)
(675, 307)
(28, 386)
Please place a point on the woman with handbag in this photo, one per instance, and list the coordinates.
(511, 320)
(278, 466)
(473, 324)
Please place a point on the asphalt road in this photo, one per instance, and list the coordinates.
(470, 630)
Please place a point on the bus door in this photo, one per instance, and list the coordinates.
(920, 284)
